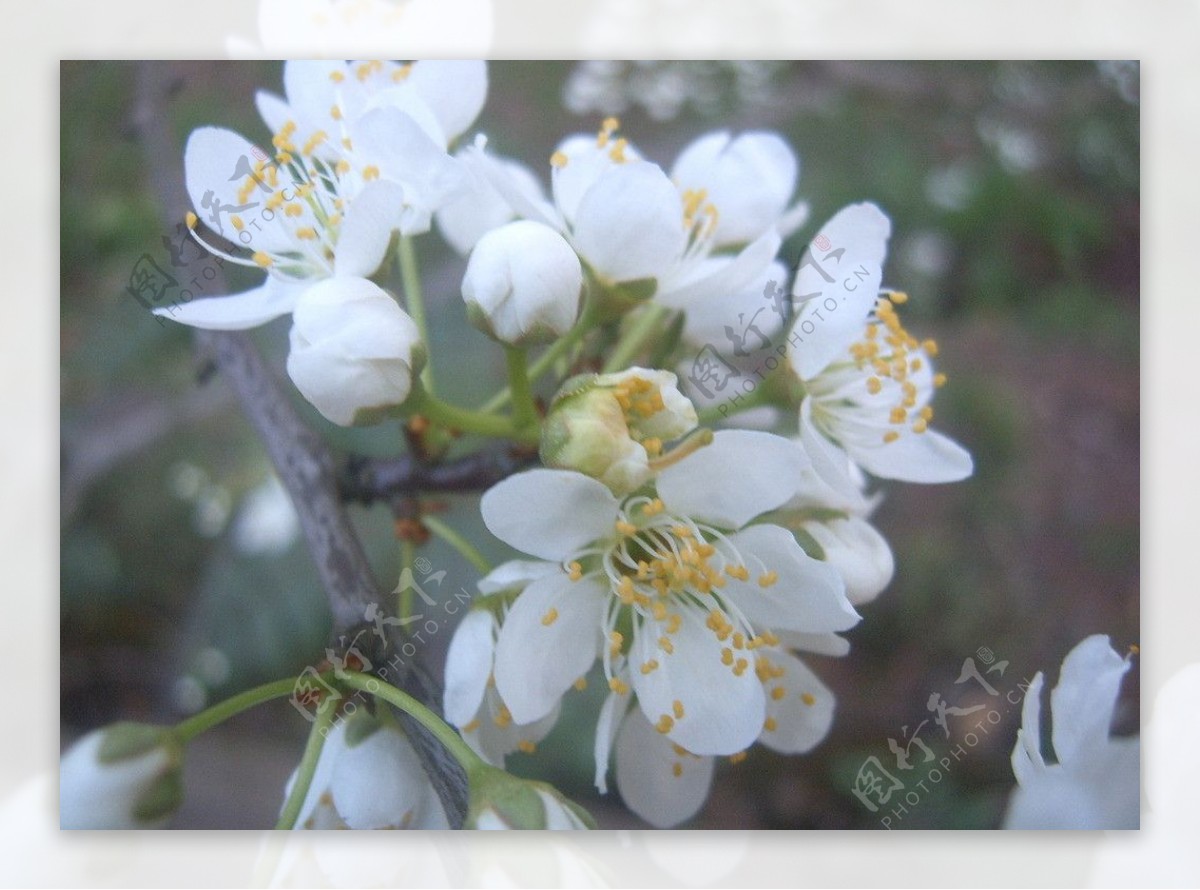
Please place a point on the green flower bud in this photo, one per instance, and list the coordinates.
(613, 426)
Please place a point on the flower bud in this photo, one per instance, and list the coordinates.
(354, 351)
(128, 775)
(500, 802)
(613, 426)
(523, 284)
(859, 553)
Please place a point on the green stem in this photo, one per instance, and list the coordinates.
(405, 604)
(544, 362)
(414, 299)
(635, 339)
(755, 399)
(307, 768)
(440, 729)
(188, 729)
(458, 542)
(465, 420)
(524, 410)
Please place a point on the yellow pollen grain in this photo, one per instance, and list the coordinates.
(778, 692)
(939, 380)
(653, 447)
(306, 233)
(770, 724)
(262, 259)
(192, 219)
(293, 209)
(899, 297)
(653, 508)
(337, 76)
(874, 385)
(472, 726)
(740, 666)
(915, 365)
(401, 73)
(342, 166)
(727, 656)
(626, 528)
(890, 436)
(677, 707)
(503, 719)
(674, 622)
(930, 347)
(611, 123)
(739, 640)
(283, 157)
(574, 571)
(526, 747)
(809, 699)
(619, 686)
(681, 751)
(767, 579)
(336, 112)
(580, 684)
(346, 143)
(558, 160)
(665, 723)
(659, 609)
(550, 617)
(741, 573)
(617, 152)
(666, 645)
(927, 413)
(649, 666)
(898, 415)
(677, 769)
(625, 590)
(370, 172)
(237, 222)
(738, 757)
(920, 426)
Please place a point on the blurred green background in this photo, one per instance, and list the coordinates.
(1014, 193)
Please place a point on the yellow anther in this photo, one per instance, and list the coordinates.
(526, 747)
(741, 573)
(659, 609)
(727, 656)
(665, 723)
(682, 531)
(920, 426)
(626, 528)
(283, 157)
(550, 617)
(677, 708)
(574, 571)
(915, 365)
(927, 413)
(939, 379)
(890, 436)
(617, 152)
(503, 718)
(653, 447)
(666, 645)
(616, 638)
(778, 692)
(293, 209)
(739, 640)
(674, 623)
(313, 141)
(738, 757)
(898, 415)
(306, 233)
(337, 76)
(558, 159)
(649, 666)
(899, 297)
(580, 684)
(336, 112)
(191, 219)
(740, 666)
(472, 726)
(610, 123)
(619, 686)
(370, 172)
(625, 590)
(874, 385)
(677, 769)
(769, 638)
(653, 508)
(681, 751)
(767, 579)
(401, 73)
(347, 144)
(262, 259)
(363, 71)
(770, 724)
(930, 347)
(809, 699)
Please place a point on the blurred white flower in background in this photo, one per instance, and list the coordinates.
(319, 29)
(266, 522)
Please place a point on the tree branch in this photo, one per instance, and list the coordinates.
(303, 462)
(365, 480)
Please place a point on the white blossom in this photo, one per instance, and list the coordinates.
(127, 775)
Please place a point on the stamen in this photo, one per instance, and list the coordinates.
(550, 617)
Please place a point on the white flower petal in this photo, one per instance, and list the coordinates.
(1027, 760)
(723, 712)
(514, 574)
(209, 161)
(701, 485)
(829, 460)
(538, 657)
(586, 160)
(928, 457)
(804, 713)
(705, 281)
(558, 817)
(808, 595)
(612, 713)
(629, 224)
(514, 188)
(737, 319)
(1082, 703)
(469, 665)
(454, 90)
(367, 229)
(481, 207)
(380, 782)
(549, 513)
(820, 644)
(98, 795)
(646, 775)
(861, 233)
(750, 179)
(273, 109)
(238, 311)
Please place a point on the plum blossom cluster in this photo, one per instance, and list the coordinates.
(691, 570)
